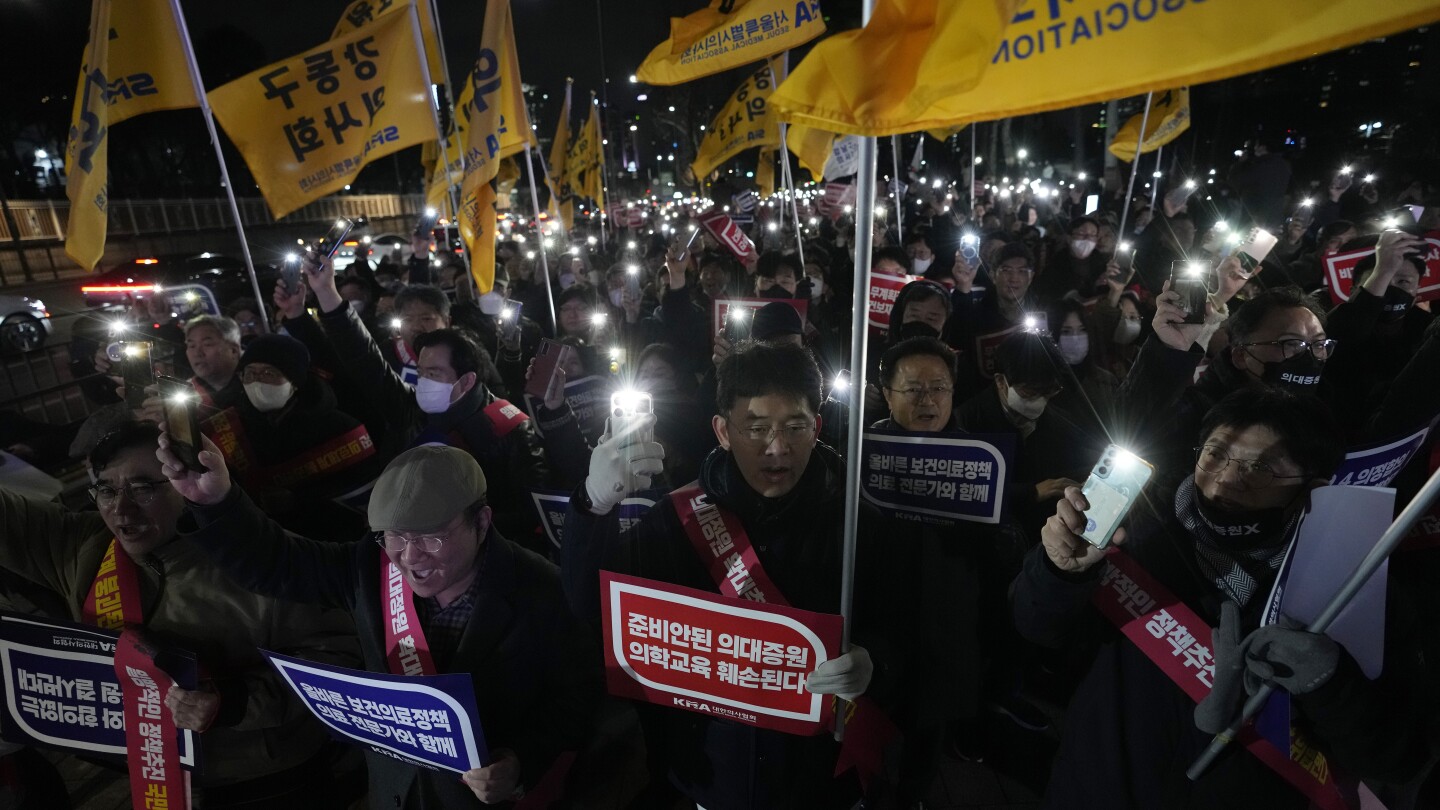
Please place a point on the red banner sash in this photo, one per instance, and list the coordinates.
(114, 597)
(340, 453)
(1178, 641)
(228, 433)
(406, 650)
(156, 780)
(720, 540)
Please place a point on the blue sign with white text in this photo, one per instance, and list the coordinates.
(1377, 465)
(426, 720)
(61, 690)
(936, 478)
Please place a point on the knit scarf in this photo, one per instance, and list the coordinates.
(1237, 568)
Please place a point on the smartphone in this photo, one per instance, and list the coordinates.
(1112, 488)
(510, 318)
(330, 243)
(737, 324)
(625, 408)
(1191, 280)
(290, 272)
(632, 280)
(1253, 249)
(551, 355)
(182, 422)
(685, 253)
(970, 249)
(137, 370)
(426, 223)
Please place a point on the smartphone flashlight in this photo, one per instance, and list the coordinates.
(1124, 460)
(1306, 203)
(597, 319)
(1189, 184)
(1123, 247)
(394, 323)
(1345, 169)
(1194, 269)
(842, 384)
(507, 313)
(1222, 226)
(738, 315)
(1369, 178)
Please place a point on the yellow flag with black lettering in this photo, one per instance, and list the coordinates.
(505, 183)
(811, 147)
(134, 63)
(363, 12)
(586, 164)
(561, 204)
(512, 139)
(895, 74)
(495, 121)
(1054, 55)
(728, 34)
(1169, 116)
(765, 173)
(744, 122)
(308, 124)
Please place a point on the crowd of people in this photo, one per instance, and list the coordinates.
(382, 423)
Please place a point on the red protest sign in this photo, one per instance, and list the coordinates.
(985, 346)
(721, 308)
(740, 660)
(837, 196)
(1340, 271)
(729, 234)
(884, 289)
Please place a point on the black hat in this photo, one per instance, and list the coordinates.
(776, 319)
(281, 351)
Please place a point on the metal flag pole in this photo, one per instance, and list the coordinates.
(785, 176)
(1389, 541)
(895, 186)
(550, 181)
(1134, 167)
(859, 340)
(454, 123)
(435, 117)
(973, 128)
(1155, 181)
(544, 262)
(200, 96)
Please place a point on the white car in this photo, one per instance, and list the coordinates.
(24, 323)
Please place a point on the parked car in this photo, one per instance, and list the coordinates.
(24, 323)
(225, 276)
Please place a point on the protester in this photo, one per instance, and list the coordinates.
(422, 308)
(259, 749)
(212, 346)
(1002, 310)
(485, 607)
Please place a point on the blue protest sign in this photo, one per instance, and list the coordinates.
(426, 720)
(1376, 465)
(588, 398)
(552, 504)
(936, 478)
(61, 690)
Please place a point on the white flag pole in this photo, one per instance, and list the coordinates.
(895, 187)
(785, 177)
(200, 96)
(1155, 180)
(544, 261)
(454, 123)
(1134, 167)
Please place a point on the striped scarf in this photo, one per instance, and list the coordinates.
(1236, 569)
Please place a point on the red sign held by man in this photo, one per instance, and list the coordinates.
(697, 651)
(884, 289)
(1340, 271)
(729, 234)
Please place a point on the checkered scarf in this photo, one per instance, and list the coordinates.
(1236, 570)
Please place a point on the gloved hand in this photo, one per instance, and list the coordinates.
(1287, 656)
(1217, 711)
(846, 676)
(622, 464)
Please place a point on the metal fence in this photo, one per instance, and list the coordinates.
(44, 220)
(39, 385)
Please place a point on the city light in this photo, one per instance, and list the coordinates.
(1023, 154)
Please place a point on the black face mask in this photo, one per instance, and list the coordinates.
(1299, 374)
(1259, 526)
(1396, 303)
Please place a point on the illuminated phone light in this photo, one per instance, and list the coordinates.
(1306, 203)
(1080, 176)
(1232, 239)
(1031, 323)
(1369, 178)
(507, 313)
(1190, 184)
(431, 213)
(1222, 226)
(614, 352)
(597, 319)
(738, 314)
(1391, 222)
(841, 385)
(1123, 247)
(1345, 169)
(132, 351)
(575, 251)
(181, 399)
(590, 240)
(630, 245)
(775, 227)
(529, 254)
(117, 325)
(394, 323)
(548, 243)
(1124, 460)
(1194, 269)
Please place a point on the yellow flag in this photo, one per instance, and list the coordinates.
(586, 165)
(505, 182)
(811, 146)
(561, 204)
(1061, 54)
(363, 12)
(495, 121)
(134, 63)
(892, 75)
(1169, 116)
(728, 34)
(765, 173)
(743, 123)
(303, 137)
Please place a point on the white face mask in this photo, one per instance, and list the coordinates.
(1082, 248)
(1126, 331)
(491, 303)
(567, 280)
(1074, 348)
(617, 297)
(921, 265)
(358, 306)
(433, 396)
(1028, 408)
(266, 397)
(817, 287)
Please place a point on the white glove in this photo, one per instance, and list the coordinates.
(847, 676)
(623, 464)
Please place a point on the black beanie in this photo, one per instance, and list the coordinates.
(281, 351)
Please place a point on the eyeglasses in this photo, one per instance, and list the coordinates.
(428, 543)
(1319, 349)
(1214, 460)
(265, 375)
(1003, 270)
(918, 394)
(790, 435)
(141, 493)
